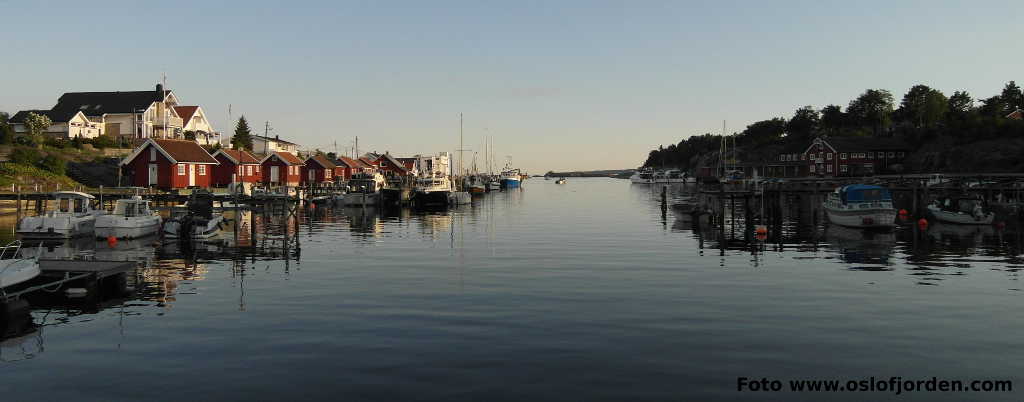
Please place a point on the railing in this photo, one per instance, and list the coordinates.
(16, 245)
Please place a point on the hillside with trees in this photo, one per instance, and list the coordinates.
(955, 133)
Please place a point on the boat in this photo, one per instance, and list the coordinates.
(15, 269)
(494, 183)
(364, 189)
(132, 218)
(198, 221)
(860, 206)
(459, 198)
(432, 191)
(475, 184)
(642, 176)
(73, 217)
(561, 180)
(510, 177)
(961, 211)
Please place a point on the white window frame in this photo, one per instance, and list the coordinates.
(828, 168)
(812, 168)
(843, 169)
(871, 155)
(828, 155)
(248, 170)
(152, 154)
(891, 155)
(842, 156)
(181, 169)
(202, 170)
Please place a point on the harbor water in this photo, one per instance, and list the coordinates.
(588, 290)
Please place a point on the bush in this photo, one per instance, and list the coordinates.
(58, 143)
(25, 156)
(102, 141)
(53, 164)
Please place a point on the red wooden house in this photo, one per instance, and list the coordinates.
(389, 166)
(344, 167)
(281, 168)
(827, 156)
(317, 169)
(235, 166)
(169, 164)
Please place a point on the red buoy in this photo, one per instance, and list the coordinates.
(1000, 225)
(111, 241)
(903, 212)
(922, 223)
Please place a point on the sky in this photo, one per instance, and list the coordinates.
(557, 85)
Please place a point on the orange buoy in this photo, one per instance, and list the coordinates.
(903, 212)
(761, 236)
(761, 230)
(111, 241)
(922, 223)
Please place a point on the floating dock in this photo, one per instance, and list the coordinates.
(58, 274)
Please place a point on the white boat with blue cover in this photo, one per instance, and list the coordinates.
(861, 206)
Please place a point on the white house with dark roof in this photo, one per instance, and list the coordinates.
(67, 126)
(267, 145)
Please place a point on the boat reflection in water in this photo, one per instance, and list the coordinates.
(857, 246)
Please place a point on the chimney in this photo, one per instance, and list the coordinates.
(160, 89)
(277, 137)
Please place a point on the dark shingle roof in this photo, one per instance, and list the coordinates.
(54, 116)
(99, 103)
(186, 151)
(321, 160)
(866, 144)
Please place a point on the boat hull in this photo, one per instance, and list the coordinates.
(961, 218)
(356, 199)
(204, 230)
(872, 218)
(126, 228)
(15, 271)
(432, 198)
(509, 183)
(60, 227)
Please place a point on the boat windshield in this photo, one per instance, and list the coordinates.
(866, 193)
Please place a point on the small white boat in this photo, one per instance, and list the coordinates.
(13, 268)
(433, 191)
(132, 218)
(198, 222)
(560, 181)
(364, 189)
(861, 206)
(961, 211)
(73, 217)
(642, 176)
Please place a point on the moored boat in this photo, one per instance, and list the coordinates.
(961, 211)
(364, 189)
(73, 217)
(132, 218)
(861, 206)
(199, 220)
(561, 180)
(14, 268)
(432, 191)
(642, 176)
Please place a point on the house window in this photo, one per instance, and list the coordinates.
(842, 156)
(812, 168)
(257, 168)
(202, 170)
(842, 168)
(248, 170)
(828, 168)
(828, 156)
(152, 154)
(181, 170)
(383, 163)
(782, 158)
(871, 155)
(891, 155)
(803, 157)
(327, 173)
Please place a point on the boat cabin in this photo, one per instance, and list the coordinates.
(135, 206)
(73, 203)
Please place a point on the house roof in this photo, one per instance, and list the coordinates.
(274, 139)
(321, 160)
(99, 103)
(365, 163)
(1016, 115)
(186, 113)
(351, 163)
(54, 116)
(238, 156)
(394, 162)
(865, 144)
(287, 157)
(176, 150)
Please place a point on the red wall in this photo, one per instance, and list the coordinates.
(289, 179)
(167, 173)
(318, 171)
(222, 173)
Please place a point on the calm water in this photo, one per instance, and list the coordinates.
(584, 291)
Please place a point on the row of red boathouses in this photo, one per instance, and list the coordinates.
(173, 164)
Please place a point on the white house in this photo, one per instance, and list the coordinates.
(127, 115)
(267, 145)
(66, 126)
(193, 118)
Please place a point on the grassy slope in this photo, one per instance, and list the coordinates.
(27, 176)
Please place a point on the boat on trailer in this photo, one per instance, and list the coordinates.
(861, 206)
(74, 216)
(132, 218)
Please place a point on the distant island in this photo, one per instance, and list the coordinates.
(618, 174)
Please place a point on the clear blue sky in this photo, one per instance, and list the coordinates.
(558, 84)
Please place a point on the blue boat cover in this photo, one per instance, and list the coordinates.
(864, 192)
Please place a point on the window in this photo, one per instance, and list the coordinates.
(257, 168)
(812, 168)
(181, 170)
(871, 155)
(842, 156)
(202, 170)
(383, 163)
(152, 154)
(803, 157)
(891, 155)
(327, 173)
(248, 170)
(782, 158)
(828, 168)
(828, 156)
(843, 168)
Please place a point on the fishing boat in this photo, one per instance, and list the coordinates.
(15, 269)
(860, 206)
(561, 180)
(432, 191)
(494, 183)
(132, 218)
(642, 176)
(364, 189)
(198, 222)
(510, 178)
(961, 211)
(73, 217)
(475, 184)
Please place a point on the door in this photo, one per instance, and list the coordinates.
(312, 176)
(191, 175)
(275, 174)
(153, 175)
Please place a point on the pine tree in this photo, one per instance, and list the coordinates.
(243, 136)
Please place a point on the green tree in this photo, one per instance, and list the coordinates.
(923, 106)
(35, 126)
(804, 124)
(6, 131)
(243, 135)
(832, 119)
(872, 109)
(764, 131)
(960, 104)
(993, 106)
(1012, 98)
(190, 135)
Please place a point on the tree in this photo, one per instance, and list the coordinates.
(190, 135)
(960, 104)
(764, 131)
(803, 125)
(923, 106)
(6, 131)
(832, 119)
(35, 126)
(873, 108)
(993, 106)
(1012, 98)
(243, 136)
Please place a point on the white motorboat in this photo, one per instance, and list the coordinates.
(74, 216)
(642, 176)
(434, 190)
(13, 268)
(861, 206)
(132, 218)
(561, 180)
(198, 222)
(364, 189)
(961, 211)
